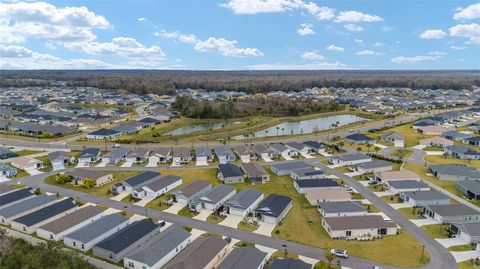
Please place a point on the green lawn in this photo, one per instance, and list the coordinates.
(215, 219)
(410, 213)
(185, 211)
(244, 244)
(280, 254)
(20, 173)
(462, 248)
(402, 153)
(433, 149)
(46, 162)
(324, 265)
(450, 160)
(468, 265)
(438, 231)
(412, 137)
(27, 152)
(391, 199)
(246, 227)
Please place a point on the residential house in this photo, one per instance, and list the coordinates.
(255, 173)
(425, 198)
(160, 249)
(214, 198)
(116, 155)
(436, 141)
(203, 252)
(6, 154)
(283, 151)
(314, 197)
(395, 175)
(285, 168)
(16, 196)
(87, 236)
(462, 152)
(245, 153)
(299, 147)
(273, 209)
(306, 173)
(164, 155)
(16, 210)
(192, 192)
(90, 155)
(454, 172)
(59, 159)
(315, 147)
(353, 227)
(30, 222)
(230, 173)
(243, 202)
(470, 232)
(374, 167)
(397, 186)
(342, 209)
(149, 122)
(181, 156)
(398, 140)
(474, 141)
(457, 213)
(224, 154)
(244, 257)
(359, 139)
(454, 135)
(138, 156)
(79, 175)
(350, 159)
(104, 134)
(290, 264)
(264, 152)
(304, 185)
(135, 182)
(27, 163)
(57, 229)
(125, 241)
(432, 130)
(7, 171)
(203, 154)
(471, 188)
(158, 187)
(124, 129)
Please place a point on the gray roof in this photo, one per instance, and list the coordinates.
(392, 135)
(358, 222)
(230, 170)
(278, 147)
(16, 195)
(353, 157)
(316, 183)
(289, 264)
(97, 228)
(70, 220)
(160, 245)
(198, 254)
(62, 155)
(117, 153)
(273, 205)
(472, 229)
(375, 164)
(5, 167)
(141, 178)
(217, 193)
(453, 210)
(243, 258)
(305, 172)
(465, 150)
(46, 212)
(90, 152)
(223, 150)
(454, 134)
(471, 185)
(295, 145)
(182, 152)
(127, 236)
(193, 188)
(203, 151)
(244, 199)
(295, 165)
(26, 205)
(261, 148)
(342, 207)
(426, 195)
(162, 182)
(407, 184)
(253, 170)
(455, 170)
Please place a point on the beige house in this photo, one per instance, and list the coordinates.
(353, 227)
(327, 195)
(432, 130)
(81, 174)
(396, 175)
(436, 141)
(27, 163)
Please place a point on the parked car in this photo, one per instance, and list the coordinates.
(376, 267)
(348, 188)
(373, 182)
(339, 252)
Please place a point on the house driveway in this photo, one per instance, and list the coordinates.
(268, 250)
(308, 260)
(201, 163)
(174, 208)
(419, 147)
(307, 156)
(401, 205)
(448, 242)
(352, 174)
(120, 196)
(287, 158)
(203, 215)
(245, 160)
(103, 163)
(3, 179)
(196, 233)
(382, 193)
(437, 153)
(267, 160)
(423, 222)
(81, 165)
(265, 229)
(461, 256)
(33, 171)
(152, 161)
(231, 221)
(381, 146)
(127, 164)
(144, 201)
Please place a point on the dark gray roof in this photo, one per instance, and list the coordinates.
(342, 207)
(89, 152)
(471, 185)
(217, 193)
(426, 195)
(244, 198)
(62, 155)
(316, 183)
(407, 184)
(16, 195)
(72, 219)
(304, 172)
(273, 205)
(253, 170)
(455, 170)
(162, 182)
(193, 188)
(453, 210)
(97, 228)
(159, 246)
(313, 144)
(127, 236)
(353, 157)
(117, 153)
(375, 164)
(472, 229)
(198, 254)
(86, 173)
(104, 132)
(358, 222)
(46, 212)
(289, 264)
(26, 205)
(278, 147)
(359, 137)
(295, 165)
(230, 170)
(243, 258)
(142, 178)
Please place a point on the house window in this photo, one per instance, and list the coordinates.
(83, 246)
(110, 256)
(51, 237)
(74, 244)
(131, 264)
(348, 233)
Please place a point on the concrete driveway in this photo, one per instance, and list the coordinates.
(401, 205)
(423, 222)
(382, 193)
(152, 161)
(352, 174)
(267, 160)
(201, 163)
(2, 179)
(136, 217)
(127, 164)
(380, 146)
(448, 242)
(203, 215)
(120, 196)
(144, 201)
(436, 153)
(461, 256)
(174, 208)
(307, 156)
(287, 158)
(196, 233)
(245, 160)
(265, 229)
(231, 221)
(268, 250)
(33, 171)
(82, 165)
(103, 163)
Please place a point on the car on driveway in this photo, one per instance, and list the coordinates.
(339, 252)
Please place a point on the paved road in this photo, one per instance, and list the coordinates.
(416, 158)
(440, 258)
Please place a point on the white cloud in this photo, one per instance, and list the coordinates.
(20, 21)
(378, 44)
(305, 29)
(368, 53)
(387, 28)
(356, 16)
(185, 38)
(225, 47)
(358, 41)
(141, 19)
(353, 27)
(312, 66)
(123, 46)
(261, 6)
(458, 47)
(335, 48)
(470, 31)
(468, 13)
(432, 56)
(433, 34)
(313, 56)
(321, 13)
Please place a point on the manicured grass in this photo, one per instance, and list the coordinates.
(324, 265)
(280, 254)
(461, 248)
(99, 191)
(438, 231)
(215, 219)
(468, 265)
(246, 227)
(450, 160)
(363, 147)
(244, 244)
(27, 152)
(410, 212)
(391, 199)
(343, 169)
(402, 153)
(433, 149)
(46, 162)
(185, 211)
(412, 137)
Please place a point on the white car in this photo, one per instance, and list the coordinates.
(339, 252)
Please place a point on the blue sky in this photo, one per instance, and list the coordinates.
(240, 34)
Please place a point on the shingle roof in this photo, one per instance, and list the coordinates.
(89, 152)
(52, 156)
(230, 170)
(471, 185)
(304, 172)
(86, 173)
(217, 193)
(142, 178)
(313, 144)
(253, 170)
(407, 184)
(342, 207)
(353, 157)
(453, 210)
(289, 264)
(295, 165)
(472, 229)
(97, 228)
(455, 170)
(13, 196)
(243, 258)
(374, 164)
(46, 212)
(104, 132)
(162, 182)
(70, 220)
(243, 199)
(193, 188)
(316, 183)
(359, 137)
(273, 205)
(426, 195)
(26, 205)
(358, 222)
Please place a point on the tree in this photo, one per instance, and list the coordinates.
(89, 183)
(62, 179)
(330, 257)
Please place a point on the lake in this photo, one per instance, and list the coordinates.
(190, 128)
(306, 126)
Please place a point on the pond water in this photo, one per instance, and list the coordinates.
(190, 128)
(305, 126)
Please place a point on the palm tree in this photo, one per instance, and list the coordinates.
(277, 129)
(283, 131)
(330, 257)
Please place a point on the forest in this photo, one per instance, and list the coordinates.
(251, 106)
(166, 81)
